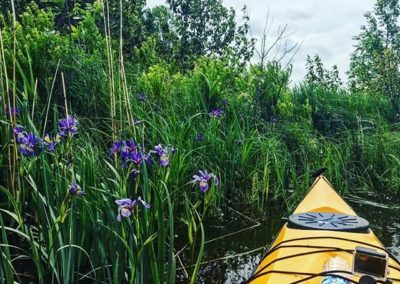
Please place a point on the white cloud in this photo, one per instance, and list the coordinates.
(324, 27)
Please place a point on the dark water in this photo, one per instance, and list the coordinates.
(237, 242)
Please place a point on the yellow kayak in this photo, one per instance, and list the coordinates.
(324, 241)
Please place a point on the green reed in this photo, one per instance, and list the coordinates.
(48, 235)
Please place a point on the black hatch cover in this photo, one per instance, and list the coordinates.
(328, 221)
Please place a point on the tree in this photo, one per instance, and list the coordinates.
(271, 82)
(276, 48)
(68, 13)
(158, 24)
(317, 74)
(133, 31)
(375, 62)
(63, 10)
(206, 27)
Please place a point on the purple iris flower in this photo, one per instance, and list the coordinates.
(125, 153)
(130, 144)
(162, 155)
(116, 146)
(144, 203)
(274, 119)
(136, 156)
(203, 180)
(160, 150)
(172, 150)
(216, 113)
(135, 173)
(28, 147)
(224, 103)
(51, 143)
(67, 126)
(126, 205)
(141, 97)
(129, 152)
(28, 143)
(20, 134)
(75, 189)
(199, 137)
(14, 110)
(115, 149)
(127, 148)
(164, 160)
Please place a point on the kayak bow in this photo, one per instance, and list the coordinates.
(318, 242)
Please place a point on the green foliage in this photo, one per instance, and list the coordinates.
(374, 67)
(159, 24)
(269, 84)
(63, 10)
(263, 148)
(318, 75)
(39, 48)
(38, 44)
(207, 28)
(131, 29)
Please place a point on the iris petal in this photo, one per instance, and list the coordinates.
(164, 161)
(216, 180)
(124, 202)
(125, 212)
(144, 203)
(197, 178)
(203, 185)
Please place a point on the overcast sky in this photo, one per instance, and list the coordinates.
(324, 27)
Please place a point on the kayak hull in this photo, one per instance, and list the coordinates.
(298, 253)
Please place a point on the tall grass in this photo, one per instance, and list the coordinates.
(48, 235)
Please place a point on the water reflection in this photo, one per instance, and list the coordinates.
(233, 258)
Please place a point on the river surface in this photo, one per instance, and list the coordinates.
(236, 243)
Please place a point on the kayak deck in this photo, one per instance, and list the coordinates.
(298, 254)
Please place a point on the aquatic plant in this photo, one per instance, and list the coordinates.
(199, 137)
(203, 180)
(125, 206)
(68, 126)
(163, 154)
(62, 179)
(75, 189)
(216, 113)
(141, 97)
(28, 143)
(50, 143)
